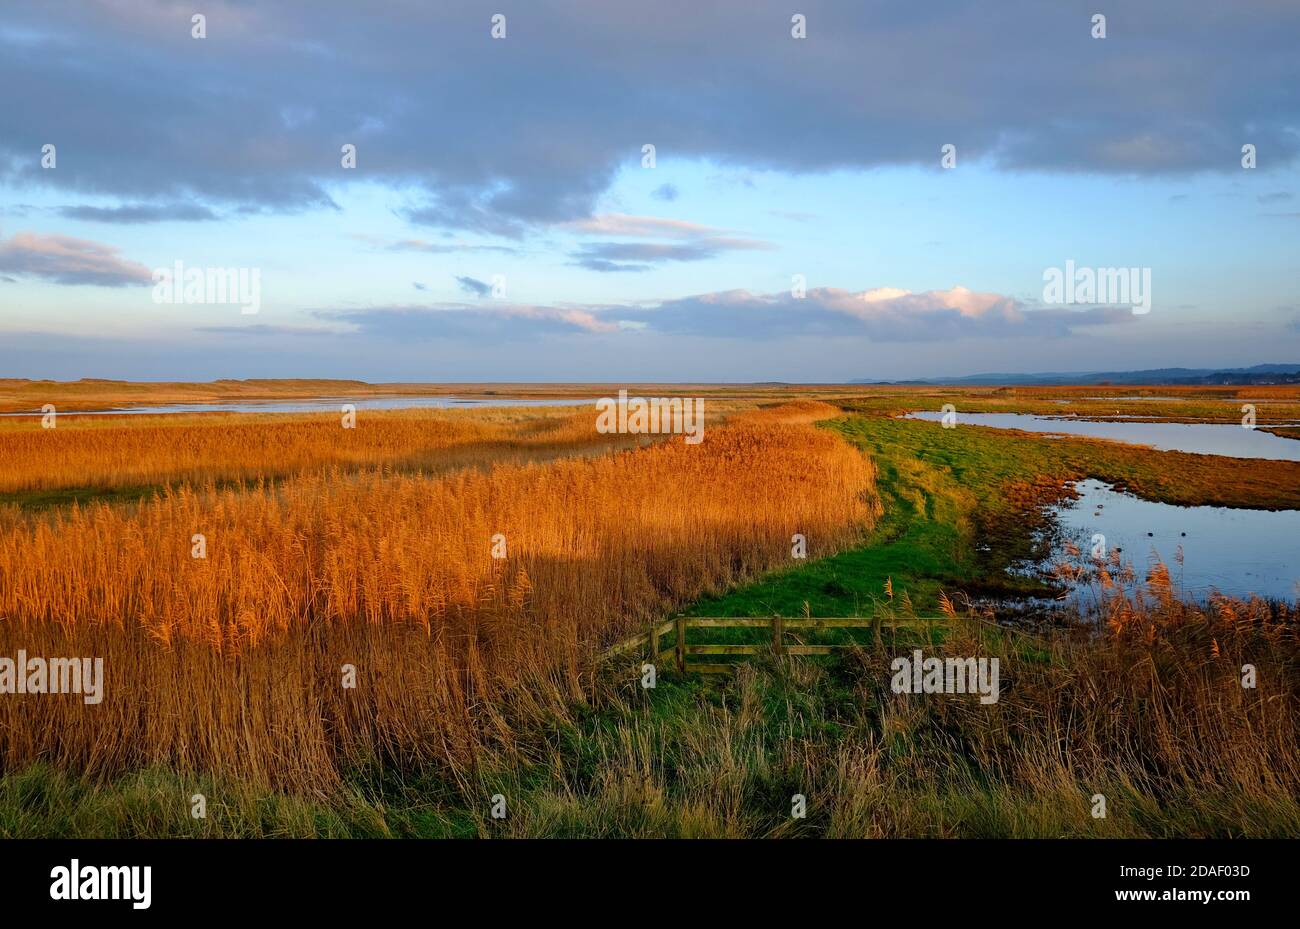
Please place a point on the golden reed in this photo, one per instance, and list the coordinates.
(136, 450)
(234, 663)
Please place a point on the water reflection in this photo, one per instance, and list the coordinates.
(320, 404)
(1236, 552)
(1232, 441)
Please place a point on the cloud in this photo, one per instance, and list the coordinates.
(1280, 196)
(883, 314)
(666, 192)
(609, 267)
(468, 322)
(437, 248)
(533, 129)
(264, 329)
(513, 206)
(640, 256)
(654, 227)
(474, 286)
(688, 241)
(140, 213)
(418, 286)
(66, 260)
(880, 315)
(629, 256)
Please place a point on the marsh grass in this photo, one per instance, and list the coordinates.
(1149, 713)
(232, 664)
(92, 454)
(1142, 702)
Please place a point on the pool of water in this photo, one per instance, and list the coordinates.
(1236, 552)
(1192, 398)
(1232, 441)
(331, 404)
(1136, 397)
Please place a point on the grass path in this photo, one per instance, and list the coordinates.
(962, 505)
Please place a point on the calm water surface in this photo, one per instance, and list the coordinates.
(326, 403)
(1225, 439)
(1236, 552)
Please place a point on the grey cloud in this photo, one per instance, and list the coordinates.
(666, 192)
(1280, 196)
(265, 329)
(474, 286)
(882, 315)
(289, 205)
(468, 322)
(444, 248)
(140, 213)
(511, 204)
(500, 137)
(66, 260)
(638, 256)
(609, 267)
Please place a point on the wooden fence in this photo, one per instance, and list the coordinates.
(679, 651)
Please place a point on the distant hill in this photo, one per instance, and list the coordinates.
(1258, 374)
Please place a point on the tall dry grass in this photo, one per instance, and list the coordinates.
(233, 663)
(1146, 708)
(125, 451)
(1144, 704)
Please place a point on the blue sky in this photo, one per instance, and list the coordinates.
(519, 161)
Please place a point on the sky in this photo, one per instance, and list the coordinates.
(502, 221)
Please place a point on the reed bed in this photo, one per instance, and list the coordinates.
(125, 451)
(1147, 702)
(234, 663)
(1142, 704)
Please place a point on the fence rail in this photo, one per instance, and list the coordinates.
(677, 654)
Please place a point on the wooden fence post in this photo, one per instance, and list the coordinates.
(681, 642)
(778, 634)
(653, 645)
